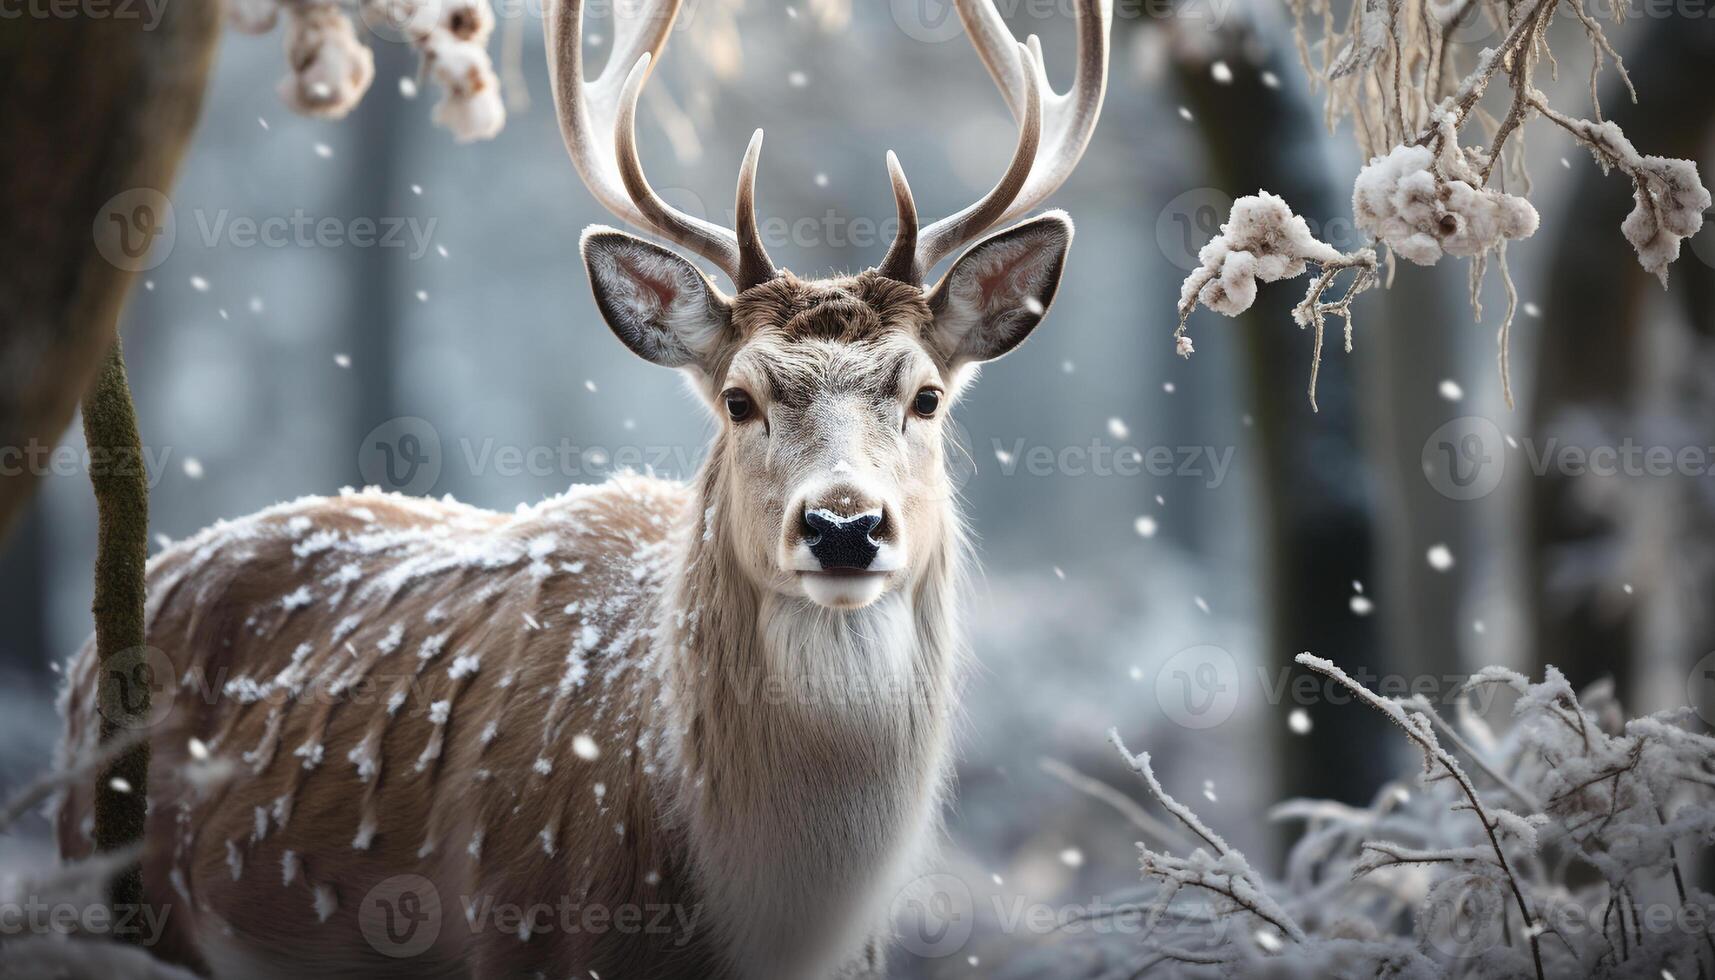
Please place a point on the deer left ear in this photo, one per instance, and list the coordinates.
(999, 290)
(655, 302)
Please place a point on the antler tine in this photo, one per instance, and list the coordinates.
(1060, 125)
(598, 121)
(586, 109)
(711, 241)
(901, 260)
(940, 239)
(754, 265)
(1069, 118)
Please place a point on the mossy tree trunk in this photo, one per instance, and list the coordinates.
(122, 501)
(100, 106)
(101, 100)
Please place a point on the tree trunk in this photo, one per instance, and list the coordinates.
(1317, 506)
(98, 110)
(1588, 358)
(122, 550)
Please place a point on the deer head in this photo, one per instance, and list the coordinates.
(832, 393)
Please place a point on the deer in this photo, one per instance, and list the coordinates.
(646, 728)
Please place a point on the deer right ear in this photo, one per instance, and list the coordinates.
(999, 290)
(655, 302)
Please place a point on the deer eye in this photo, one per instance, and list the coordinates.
(738, 404)
(927, 402)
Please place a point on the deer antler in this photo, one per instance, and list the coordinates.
(1054, 129)
(598, 121)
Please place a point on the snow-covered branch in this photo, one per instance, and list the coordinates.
(1263, 241)
(329, 69)
(1411, 88)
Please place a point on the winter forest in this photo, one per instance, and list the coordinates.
(1301, 570)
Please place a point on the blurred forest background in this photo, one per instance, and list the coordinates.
(1165, 599)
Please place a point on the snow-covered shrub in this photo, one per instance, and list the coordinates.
(1412, 87)
(1559, 847)
(329, 69)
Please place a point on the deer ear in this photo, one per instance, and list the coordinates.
(655, 302)
(999, 290)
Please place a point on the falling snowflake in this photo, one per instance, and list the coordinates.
(1440, 557)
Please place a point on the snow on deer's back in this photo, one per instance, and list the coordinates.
(327, 647)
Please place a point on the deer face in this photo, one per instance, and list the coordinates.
(832, 395)
(829, 470)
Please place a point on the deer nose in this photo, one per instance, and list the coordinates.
(839, 541)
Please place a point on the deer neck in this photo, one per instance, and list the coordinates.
(811, 743)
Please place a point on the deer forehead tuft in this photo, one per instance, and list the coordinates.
(846, 309)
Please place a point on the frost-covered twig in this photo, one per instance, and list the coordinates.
(1313, 311)
(1220, 870)
(1419, 729)
(1096, 789)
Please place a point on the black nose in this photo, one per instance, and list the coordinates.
(841, 542)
